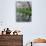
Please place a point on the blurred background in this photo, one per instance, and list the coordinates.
(31, 30)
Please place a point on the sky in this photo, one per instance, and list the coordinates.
(31, 30)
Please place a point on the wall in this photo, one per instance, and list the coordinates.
(39, 18)
(8, 16)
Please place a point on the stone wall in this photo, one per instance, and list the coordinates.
(11, 40)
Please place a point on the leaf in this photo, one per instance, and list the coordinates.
(27, 11)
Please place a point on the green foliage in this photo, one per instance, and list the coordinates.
(26, 11)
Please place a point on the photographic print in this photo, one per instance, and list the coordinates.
(23, 11)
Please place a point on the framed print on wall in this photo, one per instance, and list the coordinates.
(23, 11)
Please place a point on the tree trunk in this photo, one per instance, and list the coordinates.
(30, 9)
